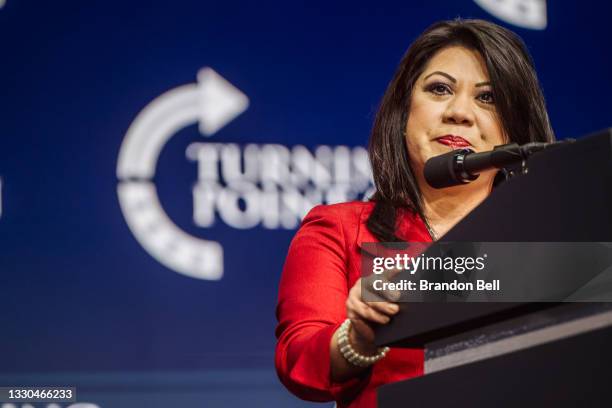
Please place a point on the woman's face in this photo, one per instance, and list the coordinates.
(451, 107)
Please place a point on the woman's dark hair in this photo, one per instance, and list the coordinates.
(518, 100)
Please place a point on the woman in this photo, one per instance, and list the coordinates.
(461, 83)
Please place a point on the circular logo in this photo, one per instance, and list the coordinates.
(212, 102)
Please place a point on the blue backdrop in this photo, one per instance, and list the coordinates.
(83, 303)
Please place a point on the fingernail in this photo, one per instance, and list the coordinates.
(394, 295)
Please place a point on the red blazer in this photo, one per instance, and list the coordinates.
(323, 263)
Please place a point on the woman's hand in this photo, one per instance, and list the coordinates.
(365, 316)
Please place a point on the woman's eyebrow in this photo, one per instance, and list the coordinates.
(444, 74)
(454, 81)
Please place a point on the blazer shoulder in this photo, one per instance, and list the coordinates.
(348, 211)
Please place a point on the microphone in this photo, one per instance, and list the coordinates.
(463, 166)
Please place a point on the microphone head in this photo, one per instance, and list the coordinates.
(443, 171)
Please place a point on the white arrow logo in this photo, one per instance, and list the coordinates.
(212, 102)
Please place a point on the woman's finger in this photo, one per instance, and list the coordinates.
(365, 312)
(387, 308)
(372, 295)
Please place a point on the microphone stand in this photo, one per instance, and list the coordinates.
(462, 166)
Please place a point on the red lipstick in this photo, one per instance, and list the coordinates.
(453, 141)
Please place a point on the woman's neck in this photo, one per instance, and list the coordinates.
(444, 208)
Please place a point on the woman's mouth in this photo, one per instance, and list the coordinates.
(456, 142)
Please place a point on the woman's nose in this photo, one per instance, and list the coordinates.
(459, 111)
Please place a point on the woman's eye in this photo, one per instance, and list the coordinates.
(438, 89)
(486, 97)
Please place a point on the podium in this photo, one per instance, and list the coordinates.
(506, 354)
